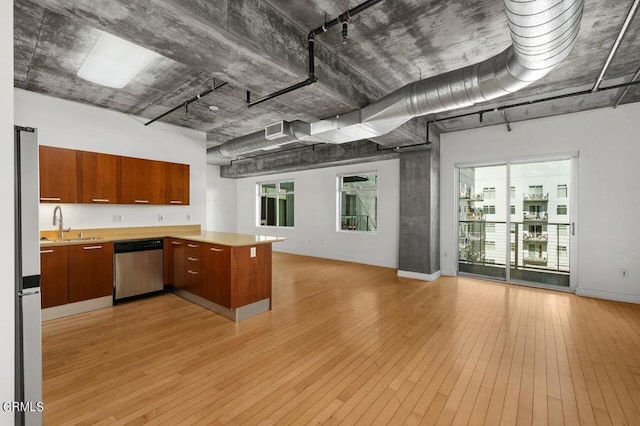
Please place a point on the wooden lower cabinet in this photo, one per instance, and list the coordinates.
(218, 274)
(225, 275)
(90, 271)
(54, 276)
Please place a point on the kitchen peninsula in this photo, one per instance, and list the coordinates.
(227, 273)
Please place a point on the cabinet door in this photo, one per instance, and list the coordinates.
(174, 184)
(140, 181)
(178, 251)
(98, 178)
(57, 175)
(90, 271)
(54, 276)
(218, 274)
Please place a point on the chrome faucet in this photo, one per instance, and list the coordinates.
(58, 221)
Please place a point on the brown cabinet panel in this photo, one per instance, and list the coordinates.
(140, 181)
(90, 271)
(174, 184)
(251, 275)
(57, 175)
(218, 274)
(98, 178)
(194, 268)
(54, 276)
(177, 250)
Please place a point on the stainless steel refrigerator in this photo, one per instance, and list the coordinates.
(28, 383)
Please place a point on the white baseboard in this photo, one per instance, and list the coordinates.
(419, 276)
(609, 295)
(76, 308)
(449, 272)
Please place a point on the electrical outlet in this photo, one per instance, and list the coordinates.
(253, 252)
(117, 218)
(624, 273)
(160, 218)
(189, 218)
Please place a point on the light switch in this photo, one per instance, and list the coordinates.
(253, 252)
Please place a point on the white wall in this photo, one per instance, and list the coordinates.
(609, 174)
(221, 201)
(7, 284)
(315, 232)
(73, 125)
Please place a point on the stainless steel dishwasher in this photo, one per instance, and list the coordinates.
(138, 268)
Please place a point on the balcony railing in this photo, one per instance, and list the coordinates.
(535, 217)
(357, 223)
(535, 259)
(535, 236)
(536, 197)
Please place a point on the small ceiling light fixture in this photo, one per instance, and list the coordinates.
(113, 62)
(345, 32)
(213, 108)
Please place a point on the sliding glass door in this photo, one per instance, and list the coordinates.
(516, 211)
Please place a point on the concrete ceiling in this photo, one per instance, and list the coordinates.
(260, 46)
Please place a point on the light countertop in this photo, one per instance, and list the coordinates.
(192, 234)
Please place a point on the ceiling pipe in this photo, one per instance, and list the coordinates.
(543, 34)
(626, 89)
(186, 103)
(343, 18)
(616, 44)
(537, 101)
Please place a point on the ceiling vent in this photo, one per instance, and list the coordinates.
(275, 131)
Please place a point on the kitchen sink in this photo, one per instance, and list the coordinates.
(71, 240)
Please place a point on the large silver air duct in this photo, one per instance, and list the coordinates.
(543, 33)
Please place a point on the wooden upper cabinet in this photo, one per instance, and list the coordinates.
(174, 184)
(57, 175)
(140, 180)
(98, 176)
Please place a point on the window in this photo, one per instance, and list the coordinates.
(535, 192)
(489, 209)
(490, 227)
(276, 204)
(491, 245)
(562, 210)
(489, 193)
(562, 250)
(563, 230)
(562, 191)
(513, 209)
(358, 198)
(513, 192)
(535, 229)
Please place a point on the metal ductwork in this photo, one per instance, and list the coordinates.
(543, 33)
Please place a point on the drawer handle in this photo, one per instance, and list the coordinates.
(193, 259)
(91, 248)
(215, 249)
(100, 200)
(192, 272)
(193, 245)
(46, 251)
(175, 243)
(175, 202)
(141, 201)
(49, 198)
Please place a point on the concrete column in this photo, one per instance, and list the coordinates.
(419, 246)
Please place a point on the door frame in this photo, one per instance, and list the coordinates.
(573, 157)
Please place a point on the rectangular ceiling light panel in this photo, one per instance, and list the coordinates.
(113, 62)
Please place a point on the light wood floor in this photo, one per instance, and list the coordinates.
(348, 343)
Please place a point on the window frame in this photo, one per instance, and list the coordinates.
(278, 192)
(339, 191)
